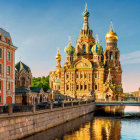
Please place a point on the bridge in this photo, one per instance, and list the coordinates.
(117, 103)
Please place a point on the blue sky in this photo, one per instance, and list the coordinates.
(38, 27)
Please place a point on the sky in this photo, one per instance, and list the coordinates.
(38, 27)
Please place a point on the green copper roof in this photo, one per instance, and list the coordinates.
(20, 65)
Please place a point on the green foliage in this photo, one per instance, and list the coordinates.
(41, 82)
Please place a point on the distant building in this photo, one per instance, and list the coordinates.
(88, 69)
(25, 93)
(7, 66)
(23, 75)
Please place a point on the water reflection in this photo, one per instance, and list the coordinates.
(97, 126)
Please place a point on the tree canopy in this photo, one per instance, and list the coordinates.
(41, 82)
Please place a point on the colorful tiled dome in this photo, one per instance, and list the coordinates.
(86, 13)
(97, 48)
(69, 49)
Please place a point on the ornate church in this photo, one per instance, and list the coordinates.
(89, 70)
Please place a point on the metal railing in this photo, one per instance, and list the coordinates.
(10, 109)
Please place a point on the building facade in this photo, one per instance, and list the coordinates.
(89, 70)
(24, 92)
(7, 68)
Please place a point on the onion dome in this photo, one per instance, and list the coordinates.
(58, 56)
(97, 48)
(111, 34)
(69, 49)
(86, 13)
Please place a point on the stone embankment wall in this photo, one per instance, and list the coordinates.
(19, 125)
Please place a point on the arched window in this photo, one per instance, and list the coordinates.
(111, 55)
(23, 81)
(106, 54)
(84, 49)
(90, 48)
(0, 52)
(116, 55)
(95, 87)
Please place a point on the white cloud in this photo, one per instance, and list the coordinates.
(130, 58)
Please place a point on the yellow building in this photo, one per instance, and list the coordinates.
(88, 69)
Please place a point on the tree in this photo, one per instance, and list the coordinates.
(41, 82)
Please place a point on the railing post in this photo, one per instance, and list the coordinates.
(10, 109)
(71, 103)
(63, 105)
(78, 102)
(34, 108)
(51, 105)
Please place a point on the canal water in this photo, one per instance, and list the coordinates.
(108, 123)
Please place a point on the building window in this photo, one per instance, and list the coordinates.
(81, 87)
(8, 70)
(85, 76)
(85, 87)
(0, 37)
(90, 48)
(0, 84)
(0, 99)
(67, 87)
(67, 75)
(8, 56)
(8, 85)
(0, 68)
(23, 81)
(116, 55)
(95, 75)
(8, 41)
(77, 87)
(0, 52)
(106, 54)
(95, 87)
(111, 55)
(84, 49)
(77, 76)
(81, 75)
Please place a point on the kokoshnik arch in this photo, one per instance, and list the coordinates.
(88, 69)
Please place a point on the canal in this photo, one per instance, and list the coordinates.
(107, 123)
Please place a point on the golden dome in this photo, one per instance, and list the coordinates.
(111, 34)
(58, 56)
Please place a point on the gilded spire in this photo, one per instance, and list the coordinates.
(111, 34)
(111, 26)
(109, 78)
(58, 56)
(86, 7)
(69, 39)
(97, 39)
(58, 50)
